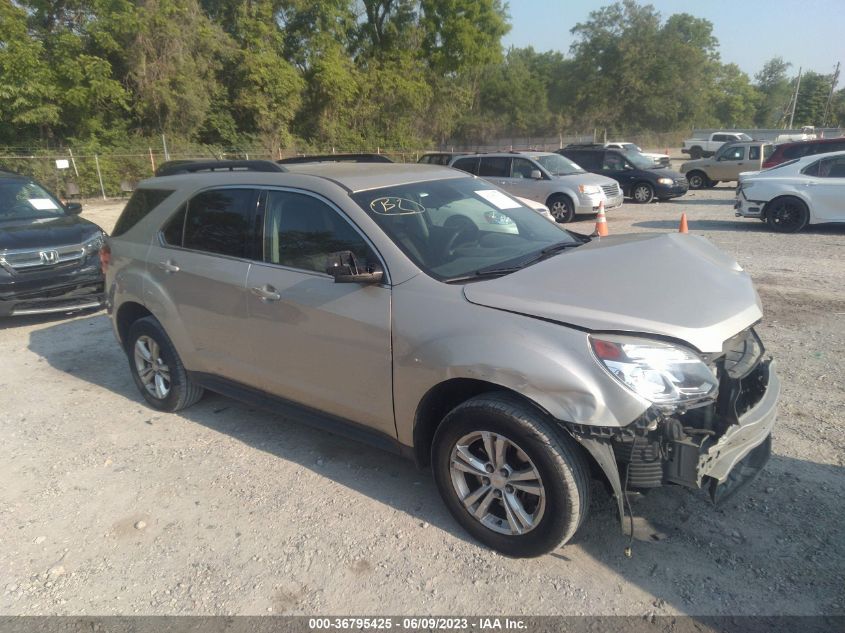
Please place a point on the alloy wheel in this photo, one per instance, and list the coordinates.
(152, 370)
(497, 483)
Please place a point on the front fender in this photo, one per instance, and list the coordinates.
(548, 363)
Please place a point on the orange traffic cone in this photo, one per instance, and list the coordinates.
(601, 221)
(683, 228)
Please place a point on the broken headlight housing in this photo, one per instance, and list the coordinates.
(662, 373)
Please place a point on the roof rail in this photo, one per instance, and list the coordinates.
(174, 167)
(335, 158)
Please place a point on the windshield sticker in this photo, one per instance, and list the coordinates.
(498, 199)
(391, 205)
(43, 204)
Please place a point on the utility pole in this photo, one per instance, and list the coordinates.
(830, 95)
(795, 98)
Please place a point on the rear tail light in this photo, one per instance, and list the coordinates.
(105, 257)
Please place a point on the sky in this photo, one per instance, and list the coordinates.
(807, 33)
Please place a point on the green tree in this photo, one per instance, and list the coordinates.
(775, 92)
(812, 97)
(27, 84)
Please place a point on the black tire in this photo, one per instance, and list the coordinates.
(182, 392)
(696, 152)
(563, 473)
(642, 193)
(697, 179)
(787, 214)
(561, 208)
(712, 183)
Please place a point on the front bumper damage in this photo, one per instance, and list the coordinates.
(721, 446)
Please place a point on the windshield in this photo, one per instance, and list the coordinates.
(452, 228)
(630, 147)
(789, 162)
(558, 165)
(21, 199)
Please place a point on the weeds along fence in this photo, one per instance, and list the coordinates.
(79, 173)
(110, 175)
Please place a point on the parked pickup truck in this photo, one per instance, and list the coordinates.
(728, 162)
(702, 147)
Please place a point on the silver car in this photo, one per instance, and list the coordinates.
(511, 363)
(550, 179)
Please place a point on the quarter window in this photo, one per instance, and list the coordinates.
(469, 165)
(219, 221)
(139, 206)
(753, 152)
(301, 231)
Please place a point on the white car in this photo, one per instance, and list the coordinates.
(625, 146)
(809, 190)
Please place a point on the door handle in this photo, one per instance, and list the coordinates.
(168, 266)
(266, 293)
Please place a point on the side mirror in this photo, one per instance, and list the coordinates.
(344, 267)
(74, 208)
(536, 174)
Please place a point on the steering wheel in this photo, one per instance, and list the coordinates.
(459, 225)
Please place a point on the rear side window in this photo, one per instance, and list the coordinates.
(139, 206)
(753, 152)
(173, 230)
(495, 167)
(220, 221)
(797, 151)
(469, 165)
(832, 167)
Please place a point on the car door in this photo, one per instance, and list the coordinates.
(827, 190)
(495, 170)
(613, 165)
(318, 343)
(729, 163)
(520, 183)
(200, 262)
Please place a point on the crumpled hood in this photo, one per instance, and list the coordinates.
(44, 232)
(674, 285)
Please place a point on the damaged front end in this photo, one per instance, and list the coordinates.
(720, 441)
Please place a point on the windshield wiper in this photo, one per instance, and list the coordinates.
(498, 271)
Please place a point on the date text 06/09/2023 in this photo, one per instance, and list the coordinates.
(417, 623)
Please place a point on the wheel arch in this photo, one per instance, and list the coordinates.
(126, 315)
(797, 195)
(565, 193)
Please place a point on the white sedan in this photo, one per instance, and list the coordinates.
(809, 190)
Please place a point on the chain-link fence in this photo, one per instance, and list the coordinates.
(83, 174)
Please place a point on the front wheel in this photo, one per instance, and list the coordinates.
(697, 180)
(561, 208)
(787, 215)
(512, 479)
(157, 369)
(643, 193)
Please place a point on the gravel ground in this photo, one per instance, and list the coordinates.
(108, 507)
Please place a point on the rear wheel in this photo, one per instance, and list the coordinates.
(561, 208)
(696, 152)
(697, 180)
(787, 215)
(642, 193)
(511, 478)
(157, 369)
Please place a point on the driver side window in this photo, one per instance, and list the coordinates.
(301, 231)
(522, 168)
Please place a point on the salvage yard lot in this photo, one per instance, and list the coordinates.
(109, 507)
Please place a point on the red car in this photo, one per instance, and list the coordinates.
(798, 149)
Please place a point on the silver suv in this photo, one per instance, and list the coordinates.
(551, 179)
(510, 362)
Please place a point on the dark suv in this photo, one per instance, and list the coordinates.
(49, 256)
(799, 149)
(638, 176)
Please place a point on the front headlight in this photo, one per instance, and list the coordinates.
(661, 373)
(589, 189)
(665, 181)
(94, 244)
